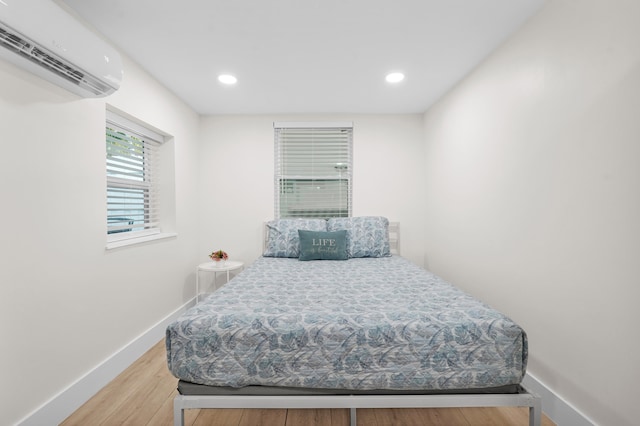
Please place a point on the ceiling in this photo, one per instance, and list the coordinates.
(307, 56)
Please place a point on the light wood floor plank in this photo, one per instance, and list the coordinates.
(145, 402)
(218, 417)
(339, 416)
(367, 417)
(119, 390)
(308, 417)
(143, 396)
(442, 417)
(263, 417)
(317, 417)
(164, 415)
(488, 416)
(514, 414)
(396, 416)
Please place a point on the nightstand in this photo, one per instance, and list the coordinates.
(216, 268)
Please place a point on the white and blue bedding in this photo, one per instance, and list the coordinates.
(362, 324)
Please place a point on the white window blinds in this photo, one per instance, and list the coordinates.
(313, 169)
(132, 170)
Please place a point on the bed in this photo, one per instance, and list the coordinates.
(332, 317)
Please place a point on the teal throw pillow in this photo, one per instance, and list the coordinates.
(316, 245)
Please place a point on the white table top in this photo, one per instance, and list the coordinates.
(229, 265)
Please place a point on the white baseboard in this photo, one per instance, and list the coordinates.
(59, 407)
(557, 409)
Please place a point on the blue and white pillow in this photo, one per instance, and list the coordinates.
(367, 236)
(282, 235)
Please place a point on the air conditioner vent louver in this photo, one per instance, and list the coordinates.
(12, 41)
(38, 55)
(55, 46)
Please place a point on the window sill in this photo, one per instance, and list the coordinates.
(139, 240)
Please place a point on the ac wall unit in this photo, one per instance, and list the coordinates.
(41, 37)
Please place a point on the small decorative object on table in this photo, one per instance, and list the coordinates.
(220, 257)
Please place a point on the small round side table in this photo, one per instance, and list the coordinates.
(215, 267)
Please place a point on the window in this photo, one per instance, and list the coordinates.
(313, 169)
(132, 179)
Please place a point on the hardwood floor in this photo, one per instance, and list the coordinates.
(143, 395)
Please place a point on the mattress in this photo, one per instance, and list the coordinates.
(360, 324)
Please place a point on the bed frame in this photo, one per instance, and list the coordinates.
(523, 398)
(353, 402)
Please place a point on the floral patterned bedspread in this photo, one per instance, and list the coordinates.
(367, 323)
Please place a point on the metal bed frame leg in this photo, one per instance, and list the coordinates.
(353, 421)
(178, 412)
(535, 412)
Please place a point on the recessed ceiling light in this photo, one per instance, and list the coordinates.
(395, 77)
(227, 79)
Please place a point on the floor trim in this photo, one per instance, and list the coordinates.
(69, 400)
(557, 409)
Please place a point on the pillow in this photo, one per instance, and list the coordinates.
(282, 235)
(323, 245)
(367, 236)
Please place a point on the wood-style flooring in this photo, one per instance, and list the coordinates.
(143, 395)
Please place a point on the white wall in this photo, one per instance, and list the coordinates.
(65, 303)
(532, 183)
(237, 187)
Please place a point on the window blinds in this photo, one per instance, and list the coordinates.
(313, 170)
(132, 170)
